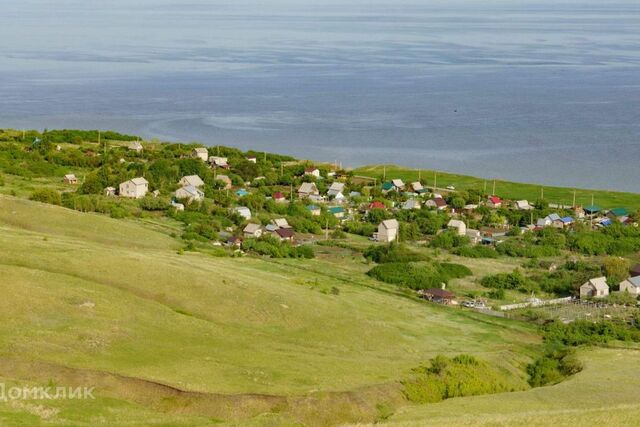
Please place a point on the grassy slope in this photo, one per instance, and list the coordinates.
(509, 190)
(85, 296)
(604, 393)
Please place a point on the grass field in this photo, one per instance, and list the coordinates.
(506, 189)
(191, 339)
(604, 393)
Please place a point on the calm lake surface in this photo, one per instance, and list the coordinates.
(536, 90)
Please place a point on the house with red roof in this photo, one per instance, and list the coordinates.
(278, 196)
(494, 202)
(376, 204)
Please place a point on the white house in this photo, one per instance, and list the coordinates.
(308, 189)
(252, 230)
(387, 231)
(411, 204)
(221, 162)
(243, 212)
(134, 188)
(312, 171)
(70, 179)
(398, 184)
(281, 223)
(194, 180)
(135, 146)
(459, 226)
(336, 188)
(631, 285)
(417, 187)
(595, 288)
(474, 236)
(200, 153)
(110, 191)
(177, 206)
(190, 193)
(523, 205)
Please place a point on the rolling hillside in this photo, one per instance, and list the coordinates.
(186, 339)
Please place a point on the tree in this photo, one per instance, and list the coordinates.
(616, 269)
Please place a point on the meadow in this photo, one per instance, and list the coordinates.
(177, 338)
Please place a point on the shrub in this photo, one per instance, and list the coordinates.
(476, 252)
(463, 375)
(392, 253)
(418, 275)
(46, 195)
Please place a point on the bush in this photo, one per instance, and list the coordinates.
(392, 253)
(449, 240)
(46, 195)
(418, 275)
(463, 375)
(476, 252)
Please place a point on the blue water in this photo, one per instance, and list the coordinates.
(536, 90)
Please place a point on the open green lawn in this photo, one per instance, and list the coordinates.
(185, 339)
(604, 393)
(509, 190)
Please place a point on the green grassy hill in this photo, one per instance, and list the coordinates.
(190, 339)
(604, 393)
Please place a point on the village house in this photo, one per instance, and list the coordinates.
(336, 189)
(459, 226)
(281, 223)
(177, 206)
(135, 146)
(220, 162)
(494, 202)
(200, 153)
(398, 185)
(312, 171)
(308, 189)
(279, 197)
(474, 236)
(110, 191)
(135, 188)
(437, 203)
(631, 285)
(190, 193)
(411, 204)
(418, 188)
(523, 205)
(224, 179)
(241, 192)
(252, 159)
(441, 296)
(376, 204)
(194, 180)
(595, 288)
(243, 211)
(314, 210)
(285, 234)
(252, 230)
(337, 211)
(387, 231)
(70, 179)
(620, 214)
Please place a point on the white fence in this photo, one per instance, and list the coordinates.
(539, 303)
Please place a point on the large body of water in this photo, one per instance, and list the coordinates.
(535, 90)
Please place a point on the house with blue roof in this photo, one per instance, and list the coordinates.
(242, 192)
(631, 285)
(337, 211)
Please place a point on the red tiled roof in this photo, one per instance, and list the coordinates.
(495, 199)
(440, 202)
(376, 205)
(278, 195)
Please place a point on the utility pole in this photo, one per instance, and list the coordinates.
(591, 213)
(291, 193)
(494, 188)
(435, 181)
(384, 172)
(574, 199)
(419, 174)
(541, 193)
